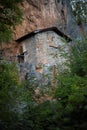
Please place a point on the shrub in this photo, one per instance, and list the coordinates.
(14, 96)
(72, 89)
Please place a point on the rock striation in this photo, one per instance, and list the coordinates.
(41, 14)
(47, 13)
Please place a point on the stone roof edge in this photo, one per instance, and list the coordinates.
(44, 30)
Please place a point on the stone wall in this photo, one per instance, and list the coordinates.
(43, 55)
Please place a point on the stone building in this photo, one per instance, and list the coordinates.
(39, 51)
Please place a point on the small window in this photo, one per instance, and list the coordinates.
(21, 50)
(2, 53)
(21, 57)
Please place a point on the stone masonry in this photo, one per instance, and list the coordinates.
(42, 55)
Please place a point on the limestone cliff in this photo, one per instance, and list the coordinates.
(39, 14)
(47, 13)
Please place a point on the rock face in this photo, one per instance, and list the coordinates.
(43, 48)
(47, 13)
(40, 14)
(72, 27)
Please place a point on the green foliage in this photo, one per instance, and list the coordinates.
(5, 33)
(72, 88)
(8, 84)
(43, 116)
(67, 112)
(80, 10)
(14, 96)
(78, 60)
(6, 74)
(72, 95)
(10, 15)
